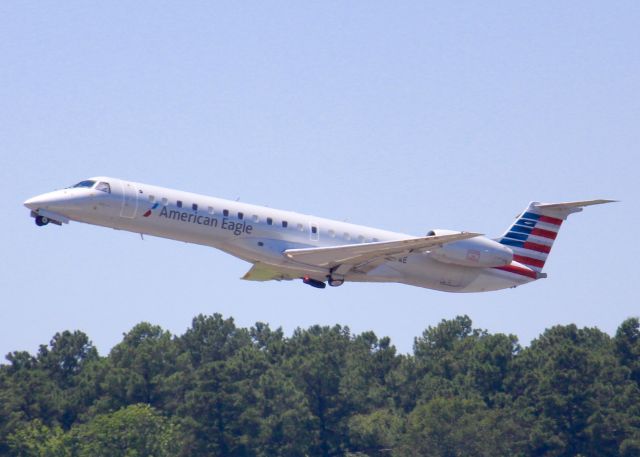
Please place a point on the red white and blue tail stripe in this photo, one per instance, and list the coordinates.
(531, 238)
(534, 231)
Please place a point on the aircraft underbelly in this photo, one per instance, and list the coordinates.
(422, 271)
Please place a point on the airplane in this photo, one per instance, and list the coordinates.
(285, 245)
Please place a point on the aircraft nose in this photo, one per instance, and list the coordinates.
(43, 201)
(35, 202)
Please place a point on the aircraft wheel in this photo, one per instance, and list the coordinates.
(335, 282)
(41, 221)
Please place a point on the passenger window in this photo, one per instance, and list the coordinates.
(225, 212)
(179, 203)
(152, 198)
(194, 207)
(360, 239)
(269, 221)
(332, 233)
(104, 187)
(165, 202)
(255, 218)
(211, 210)
(284, 224)
(300, 227)
(240, 216)
(347, 236)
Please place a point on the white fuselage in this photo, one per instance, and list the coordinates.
(256, 234)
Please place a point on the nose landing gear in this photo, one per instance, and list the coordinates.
(46, 219)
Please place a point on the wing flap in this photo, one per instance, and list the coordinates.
(354, 254)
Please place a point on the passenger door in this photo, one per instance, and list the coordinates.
(129, 200)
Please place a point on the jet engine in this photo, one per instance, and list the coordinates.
(474, 252)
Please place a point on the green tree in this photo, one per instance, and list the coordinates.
(27, 393)
(376, 433)
(442, 356)
(134, 431)
(66, 355)
(627, 342)
(456, 427)
(221, 369)
(454, 359)
(284, 417)
(365, 378)
(569, 382)
(317, 358)
(34, 439)
(212, 338)
(138, 367)
(63, 361)
(223, 390)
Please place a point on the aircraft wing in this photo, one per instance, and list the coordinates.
(357, 254)
(263, 272)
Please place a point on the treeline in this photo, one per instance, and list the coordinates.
(221, 390)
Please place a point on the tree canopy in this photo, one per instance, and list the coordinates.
(222, 390)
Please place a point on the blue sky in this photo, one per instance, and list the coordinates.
(406, 116)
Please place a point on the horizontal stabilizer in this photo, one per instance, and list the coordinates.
(562, 210)
(353, 254)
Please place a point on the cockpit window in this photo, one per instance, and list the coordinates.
(104, 187)
(87, 183)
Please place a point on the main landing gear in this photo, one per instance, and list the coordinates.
(42, 221)
(335, 279)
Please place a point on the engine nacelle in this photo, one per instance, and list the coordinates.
(474, 252)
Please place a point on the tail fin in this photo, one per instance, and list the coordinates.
(534, 231)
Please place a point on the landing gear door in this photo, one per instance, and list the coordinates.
(129, 200)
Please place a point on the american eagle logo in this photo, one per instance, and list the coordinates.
(148, 213)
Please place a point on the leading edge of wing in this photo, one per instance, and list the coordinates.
(328, 257)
